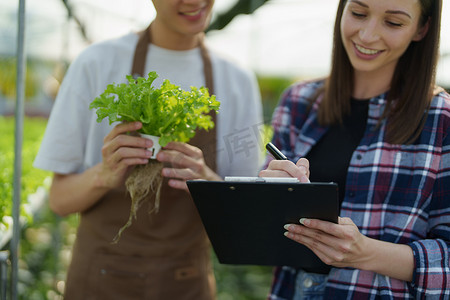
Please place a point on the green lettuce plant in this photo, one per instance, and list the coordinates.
(168, 111)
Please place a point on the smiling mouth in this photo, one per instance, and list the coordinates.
(367, 51)
(192, 13)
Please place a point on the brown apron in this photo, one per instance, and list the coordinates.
(160, 256)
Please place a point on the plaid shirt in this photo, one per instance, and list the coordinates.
(394, 193)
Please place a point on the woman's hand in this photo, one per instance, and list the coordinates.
(187, 163)
(342, 245)
(286, 168)
(121, 152)
(339, 245)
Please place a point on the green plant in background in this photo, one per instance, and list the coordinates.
(242, 282)
(8, 75)
(46, 239)
(271, 90)
(31, 178)
(266, 137)
(46, 248)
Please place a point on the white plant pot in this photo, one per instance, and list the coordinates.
(156, 146)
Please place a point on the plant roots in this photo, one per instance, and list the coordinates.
(143, 180)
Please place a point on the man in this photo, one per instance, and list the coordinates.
(163, 255)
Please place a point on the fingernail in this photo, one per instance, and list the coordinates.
(303, 221)
(304, 179)
(286, 226)
(286, 234)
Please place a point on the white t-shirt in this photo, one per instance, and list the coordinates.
(73, 139)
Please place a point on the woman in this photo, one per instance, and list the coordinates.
(379, 128)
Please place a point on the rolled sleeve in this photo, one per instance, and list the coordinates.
(431, 278)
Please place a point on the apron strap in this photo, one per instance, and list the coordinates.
(207, 66)
(140, 53)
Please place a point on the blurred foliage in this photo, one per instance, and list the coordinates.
(31, 178)
(45, 254)
(8, 76)
(38, 267)
(242, 282)
(271, 90)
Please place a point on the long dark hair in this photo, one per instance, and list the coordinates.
(411, 86)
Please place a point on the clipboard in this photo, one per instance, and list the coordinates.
(244, 220)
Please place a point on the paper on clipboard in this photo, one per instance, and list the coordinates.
(261, 179)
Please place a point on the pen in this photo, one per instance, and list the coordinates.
(275, 152)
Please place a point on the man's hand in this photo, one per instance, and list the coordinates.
(187, 163)
(121, 152)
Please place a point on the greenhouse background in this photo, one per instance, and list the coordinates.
(281, 41)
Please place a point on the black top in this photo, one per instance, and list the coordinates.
(330, 157)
